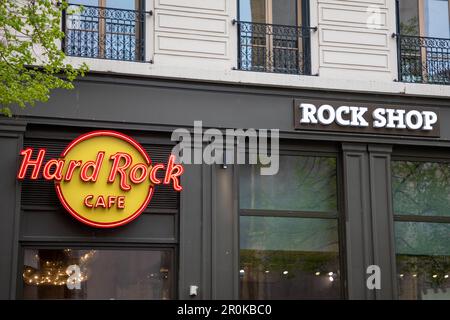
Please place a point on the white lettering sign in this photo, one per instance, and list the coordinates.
(365, 117)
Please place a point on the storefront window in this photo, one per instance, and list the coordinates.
(289, 247)
(302, 184)
(97, 274)
(421, 188)
(421, 194)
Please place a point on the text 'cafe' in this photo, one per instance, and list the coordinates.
(96, 206)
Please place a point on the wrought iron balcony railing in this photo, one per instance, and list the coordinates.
(423, 59)
(274, 48)
(104, 33)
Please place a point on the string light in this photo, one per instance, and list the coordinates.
(46, 279)
(54, 271)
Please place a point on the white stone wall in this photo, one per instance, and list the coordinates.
(194, 33)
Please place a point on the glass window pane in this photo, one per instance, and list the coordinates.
(288, 258)
(117, 4)
(423, 260)
(98, 274)
(284, 12)
(122, 4)
(303, 183)
(253, 38)
(436, 19)
(421, 188)
(93, 3)
(409, 17)
(252, 11)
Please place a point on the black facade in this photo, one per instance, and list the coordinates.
(199, 228)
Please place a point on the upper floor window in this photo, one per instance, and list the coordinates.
(105, 29)
(274, 36)
(424, 41)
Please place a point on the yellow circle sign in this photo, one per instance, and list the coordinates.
(95, 195)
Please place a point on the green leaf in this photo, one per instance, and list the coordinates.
(26, 78)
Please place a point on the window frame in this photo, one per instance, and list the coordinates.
(139, 6)
(338, 215)
(403, 153)
(303, 45)
(415, 217)
(422, 53)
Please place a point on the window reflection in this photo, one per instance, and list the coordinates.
(421, 195)
(421, 188)
(428, 18)
(289, 258)
(252, 10)
(288, 250)
(409, 17)
(437, 19)
(97, 274)
(118, 4)
(423, 260)
(303, 183)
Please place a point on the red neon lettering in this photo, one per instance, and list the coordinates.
(133, 173)
(26, 162)
(86, 201)
(95, 165)
(73, 164)
(100, 202)
(153, 172)
(111, 201)
(120, 169)
(57, 174)
(121, 202)
(173, 172)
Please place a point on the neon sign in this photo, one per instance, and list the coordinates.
(103, 178)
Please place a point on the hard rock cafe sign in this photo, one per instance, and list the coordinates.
(103, 178)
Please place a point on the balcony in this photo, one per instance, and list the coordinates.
(274, 48)
(104, 33)
(424, 59)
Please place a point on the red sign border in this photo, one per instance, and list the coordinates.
(107, 133)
